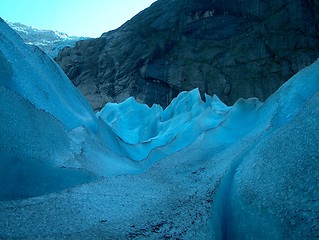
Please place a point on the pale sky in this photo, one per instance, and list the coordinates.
(87, 18)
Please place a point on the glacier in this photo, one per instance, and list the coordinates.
(194, 170)
(51, 42)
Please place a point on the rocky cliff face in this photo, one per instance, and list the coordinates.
(235, 48)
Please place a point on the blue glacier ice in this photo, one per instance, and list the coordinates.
(194, 170)
(142, 129)
(49, 89)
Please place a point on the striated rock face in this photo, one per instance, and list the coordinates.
(235, 48)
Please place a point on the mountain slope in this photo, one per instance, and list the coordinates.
(236, 49)
(51, 42)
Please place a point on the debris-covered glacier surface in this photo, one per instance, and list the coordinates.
(195, 170)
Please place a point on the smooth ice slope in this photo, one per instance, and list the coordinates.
(33, 147)
(28, 71)
(48, 138)
(35, 119)
(271, 192)
(275, 189)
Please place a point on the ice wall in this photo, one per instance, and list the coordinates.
(39, 108)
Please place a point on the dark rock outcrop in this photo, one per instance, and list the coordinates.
(236, 48)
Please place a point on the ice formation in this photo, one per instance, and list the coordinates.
(26, 70)
(195, 170)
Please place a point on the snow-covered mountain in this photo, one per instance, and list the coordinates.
(194, 170)
(51, 42)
